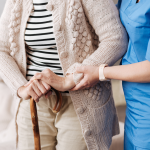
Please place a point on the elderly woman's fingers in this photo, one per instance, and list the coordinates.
(31, 80)
(48, 94)
(47, 86)
(35, 77)
(38, 88)
(31, 92)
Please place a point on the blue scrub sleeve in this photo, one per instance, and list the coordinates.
(118, 5)
(148, 51)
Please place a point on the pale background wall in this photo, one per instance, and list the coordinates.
(117, 88)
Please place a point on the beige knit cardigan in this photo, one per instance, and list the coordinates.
(87, 32)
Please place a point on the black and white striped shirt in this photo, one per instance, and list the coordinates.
(40, 39)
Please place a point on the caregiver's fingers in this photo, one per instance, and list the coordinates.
(83, 84)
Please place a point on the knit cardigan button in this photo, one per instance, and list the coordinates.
(80, 110)
(87, 133)
(63, 54)
(57, 28)
(49, 7)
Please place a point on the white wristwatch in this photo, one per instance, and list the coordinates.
(101, 72)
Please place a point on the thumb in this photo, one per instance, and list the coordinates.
(38, 76)
(31, 80)
(80, 69)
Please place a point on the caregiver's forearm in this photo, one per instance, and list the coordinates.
(138, 72)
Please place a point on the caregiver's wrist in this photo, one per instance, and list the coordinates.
(97, 73)
(107, 72)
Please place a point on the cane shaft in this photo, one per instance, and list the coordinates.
(34, 117)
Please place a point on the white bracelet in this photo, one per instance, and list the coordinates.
(101, 72)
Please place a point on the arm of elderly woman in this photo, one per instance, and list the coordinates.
(57, 82)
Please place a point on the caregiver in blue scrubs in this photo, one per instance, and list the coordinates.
(135, 73)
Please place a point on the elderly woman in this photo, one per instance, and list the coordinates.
(53, 37)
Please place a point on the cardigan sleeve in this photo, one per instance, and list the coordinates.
(104, 18)
(9, 70)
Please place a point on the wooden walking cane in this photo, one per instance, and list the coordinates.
(34, 117)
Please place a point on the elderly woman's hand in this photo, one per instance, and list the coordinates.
(91, 77)
(35, 90)
(55, 81)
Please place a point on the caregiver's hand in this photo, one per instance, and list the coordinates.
(55, 81)
(35, 90)
(91, 77)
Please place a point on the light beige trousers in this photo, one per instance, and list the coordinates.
(60, 131)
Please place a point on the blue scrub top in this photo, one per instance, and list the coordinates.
(136, 19)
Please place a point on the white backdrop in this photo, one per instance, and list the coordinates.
(2, 5)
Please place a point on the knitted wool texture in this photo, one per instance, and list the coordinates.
(88, 32)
